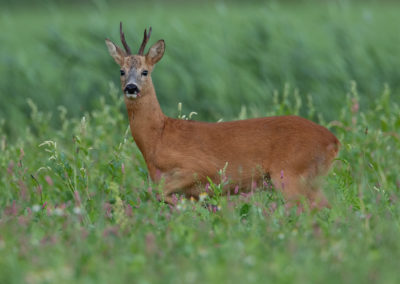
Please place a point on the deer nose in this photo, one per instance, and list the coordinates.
(131, 89)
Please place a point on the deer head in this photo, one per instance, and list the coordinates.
(136, 69)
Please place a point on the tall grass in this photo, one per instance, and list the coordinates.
(237, 55)
(76, 202)
(76, 205)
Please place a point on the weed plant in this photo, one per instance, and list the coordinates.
(77, 205)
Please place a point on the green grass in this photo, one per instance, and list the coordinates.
(76, 202)
(76, 205)
(237, 53)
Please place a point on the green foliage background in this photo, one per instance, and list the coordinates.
(217, 52)
(76, 203)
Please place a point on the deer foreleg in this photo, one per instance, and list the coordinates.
(177, 181)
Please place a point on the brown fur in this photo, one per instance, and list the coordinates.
(292, 151)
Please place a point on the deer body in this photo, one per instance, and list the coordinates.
(290, 151)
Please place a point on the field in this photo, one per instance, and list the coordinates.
(76, 202)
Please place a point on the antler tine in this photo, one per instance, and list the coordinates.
(145, 40)
(128, 50)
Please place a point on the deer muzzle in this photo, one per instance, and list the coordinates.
(132, 90)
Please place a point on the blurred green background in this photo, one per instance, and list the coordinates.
(219, 57)
(76, 202)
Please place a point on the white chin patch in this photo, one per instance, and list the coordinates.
(131, 96)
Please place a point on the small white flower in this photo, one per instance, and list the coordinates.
(281, 236)
(77, 210)
(202, 196)
(58, 212)
(249, 260)
(36, 208)
(181, 205)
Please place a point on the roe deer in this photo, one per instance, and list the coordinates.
(288, 150)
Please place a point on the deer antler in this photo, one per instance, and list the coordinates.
(145, 40)
(128, 50)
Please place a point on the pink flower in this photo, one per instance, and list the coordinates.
(273, 207)
(77, 198)
(174, 199)
(107, 207)
(49, 180)
(128, 210)
(11, 210)
(10, 168)
(138, 202)
(23, 190)
(355, 106)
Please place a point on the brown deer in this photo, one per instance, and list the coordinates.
(290, 151)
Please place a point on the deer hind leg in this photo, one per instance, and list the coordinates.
(289, 185)
(295, 187)
(312, 177)
(317, 198)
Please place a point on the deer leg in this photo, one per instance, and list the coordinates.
(295, 187)
(177, 181)
(312, 190)
(289, 185)
(317, 198)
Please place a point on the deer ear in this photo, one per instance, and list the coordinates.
(117, 53)
(156, 52)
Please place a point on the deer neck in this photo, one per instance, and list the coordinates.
(146, 121)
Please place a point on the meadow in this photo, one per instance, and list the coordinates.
(76, 202)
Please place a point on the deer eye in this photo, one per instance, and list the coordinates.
(122, 72)
(145, 72)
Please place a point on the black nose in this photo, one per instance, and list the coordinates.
(131, 89)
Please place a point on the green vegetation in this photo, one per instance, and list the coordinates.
(76, 203)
